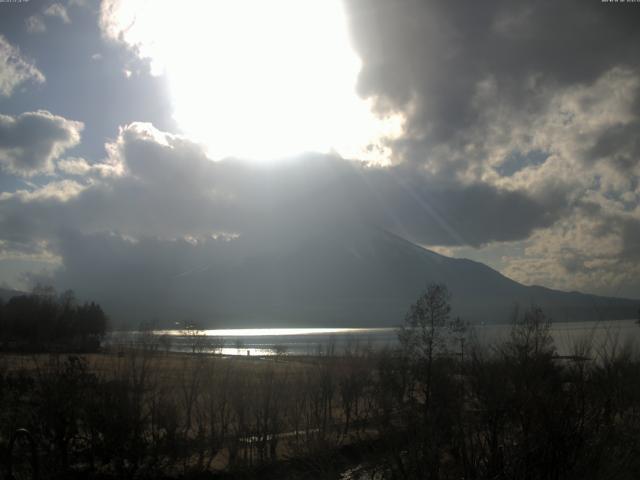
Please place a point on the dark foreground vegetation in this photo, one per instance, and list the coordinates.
(46, 321)
(438, 407)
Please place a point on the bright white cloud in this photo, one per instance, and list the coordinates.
(57, 191)
(15, 69)
(57, 10)
(74, 166)
(79, 167)
(257, 79)
(60, 11)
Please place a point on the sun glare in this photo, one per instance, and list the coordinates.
(259, 79)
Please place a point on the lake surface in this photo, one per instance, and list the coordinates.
(312, 341)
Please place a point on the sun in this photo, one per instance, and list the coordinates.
(259, 79)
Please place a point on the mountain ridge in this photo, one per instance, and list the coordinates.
(343, 274)
(366, 276)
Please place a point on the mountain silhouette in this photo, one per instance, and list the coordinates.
(358, 275)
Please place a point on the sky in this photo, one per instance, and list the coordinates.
(505, 132)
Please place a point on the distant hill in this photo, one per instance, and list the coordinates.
(356, 275)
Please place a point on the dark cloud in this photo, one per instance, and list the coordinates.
(427, 58)
(435, 212)
(619, 145)
(30, 142)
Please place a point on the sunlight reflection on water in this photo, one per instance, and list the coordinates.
(263, 332)
(312, 341)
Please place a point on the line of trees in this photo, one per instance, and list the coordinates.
(44, 320)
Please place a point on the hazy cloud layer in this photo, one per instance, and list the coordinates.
(15, 69)
(31, 141)
(162, 184)
(161, 189)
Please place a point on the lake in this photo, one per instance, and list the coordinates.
(311, 341)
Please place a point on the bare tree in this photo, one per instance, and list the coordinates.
(422, 333)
